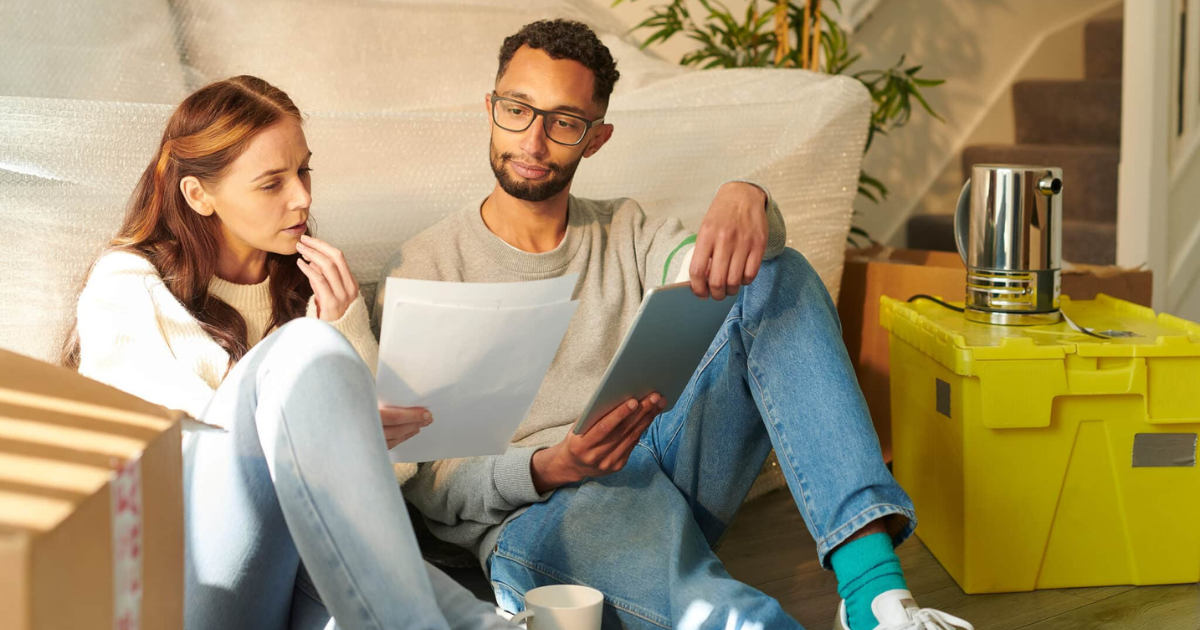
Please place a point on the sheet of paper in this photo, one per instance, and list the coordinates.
(476, 368)
(482, 294)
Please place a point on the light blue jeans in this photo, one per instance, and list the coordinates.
(303, 474)
(777, 374)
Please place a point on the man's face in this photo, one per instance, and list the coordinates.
(527, 164)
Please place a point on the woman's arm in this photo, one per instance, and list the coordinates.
(123, 342)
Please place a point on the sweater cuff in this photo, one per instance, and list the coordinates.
(776, 228)
(757, 185)
(404, 472)
(513, 477)
(355, 326)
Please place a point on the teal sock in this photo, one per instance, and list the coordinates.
(865, 568)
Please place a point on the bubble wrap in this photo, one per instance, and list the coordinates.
(393, 94)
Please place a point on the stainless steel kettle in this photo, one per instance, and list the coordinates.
(1008, 227)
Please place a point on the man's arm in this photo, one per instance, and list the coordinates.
(735, 236)
(741, 214)
(483, 490)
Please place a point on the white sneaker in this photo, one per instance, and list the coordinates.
(896, 610)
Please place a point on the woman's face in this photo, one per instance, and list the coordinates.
(263, 197)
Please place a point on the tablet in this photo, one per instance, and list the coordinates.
(670, 334)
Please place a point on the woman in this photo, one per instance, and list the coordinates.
(214, 254)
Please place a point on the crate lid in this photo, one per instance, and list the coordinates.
(1134, 331)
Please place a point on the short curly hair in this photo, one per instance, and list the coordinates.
(566, 39)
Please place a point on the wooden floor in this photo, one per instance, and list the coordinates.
(769, 547)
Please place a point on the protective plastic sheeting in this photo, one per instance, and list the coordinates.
(394, 94)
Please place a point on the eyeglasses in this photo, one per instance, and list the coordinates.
(565, 129)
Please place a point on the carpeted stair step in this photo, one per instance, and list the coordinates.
(1086, 242)
(1089, 173)
(1102, 49)
(1068, 112)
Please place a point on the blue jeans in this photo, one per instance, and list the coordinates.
(777, 374)
(303, 474)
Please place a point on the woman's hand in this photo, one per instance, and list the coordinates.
(332, 283)
(401, 423)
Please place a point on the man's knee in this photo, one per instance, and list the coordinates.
(789, 276)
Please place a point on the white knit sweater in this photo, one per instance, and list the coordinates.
(136, 336)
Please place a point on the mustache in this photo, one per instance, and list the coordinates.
(554, 168)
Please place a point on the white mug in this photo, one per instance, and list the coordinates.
(562, 607)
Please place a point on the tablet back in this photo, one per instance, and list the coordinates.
(670, 334)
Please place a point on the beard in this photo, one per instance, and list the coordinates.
(560, 177)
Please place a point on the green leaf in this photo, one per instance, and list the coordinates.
(925, 105)
(867, 180)
(866, 193)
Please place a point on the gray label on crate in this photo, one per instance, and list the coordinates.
(1164, 450)
(943, 397)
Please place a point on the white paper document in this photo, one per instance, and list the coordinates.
(475, 355)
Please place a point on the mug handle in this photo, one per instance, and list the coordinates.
(521, 616)
(962, 220)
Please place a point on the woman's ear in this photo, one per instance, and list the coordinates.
(198, 198)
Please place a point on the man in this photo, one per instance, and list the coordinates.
(633, 506)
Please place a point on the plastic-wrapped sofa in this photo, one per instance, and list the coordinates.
(393, 91)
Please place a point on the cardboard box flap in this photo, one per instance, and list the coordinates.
(61, 435)
(26, 379)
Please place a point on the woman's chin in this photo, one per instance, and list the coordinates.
(285, 245)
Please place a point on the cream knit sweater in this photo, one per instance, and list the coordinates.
(136, 336)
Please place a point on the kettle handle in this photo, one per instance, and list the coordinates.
(962, 220)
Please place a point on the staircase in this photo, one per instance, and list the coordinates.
(1075, 125)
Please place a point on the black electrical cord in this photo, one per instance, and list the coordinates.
(922, 296)
(1092, 334)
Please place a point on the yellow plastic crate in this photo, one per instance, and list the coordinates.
(1039, 457)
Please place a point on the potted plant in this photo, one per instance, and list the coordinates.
(792, 34)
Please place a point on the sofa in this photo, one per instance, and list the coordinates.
(393, 94)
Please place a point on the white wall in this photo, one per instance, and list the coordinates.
(1183, 215)
(979, 46)
(1158, 222)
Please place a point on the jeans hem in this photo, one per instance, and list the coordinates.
(831, 541)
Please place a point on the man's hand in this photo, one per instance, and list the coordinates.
(401, 423)
(601, 451)
(731, 242)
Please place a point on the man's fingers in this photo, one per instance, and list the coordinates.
(719, 270)
(698, 272)
(605, 425)
(620, 455)
(753, 262)
(396, 435)
(649, 405)
(737, 268)
(396, 416)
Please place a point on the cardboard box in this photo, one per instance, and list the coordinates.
(901, 274)
(91, 504)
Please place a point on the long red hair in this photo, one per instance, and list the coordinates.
(205, 134)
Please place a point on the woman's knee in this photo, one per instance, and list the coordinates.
(306, 342)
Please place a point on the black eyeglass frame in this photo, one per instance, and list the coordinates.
(588, 124)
